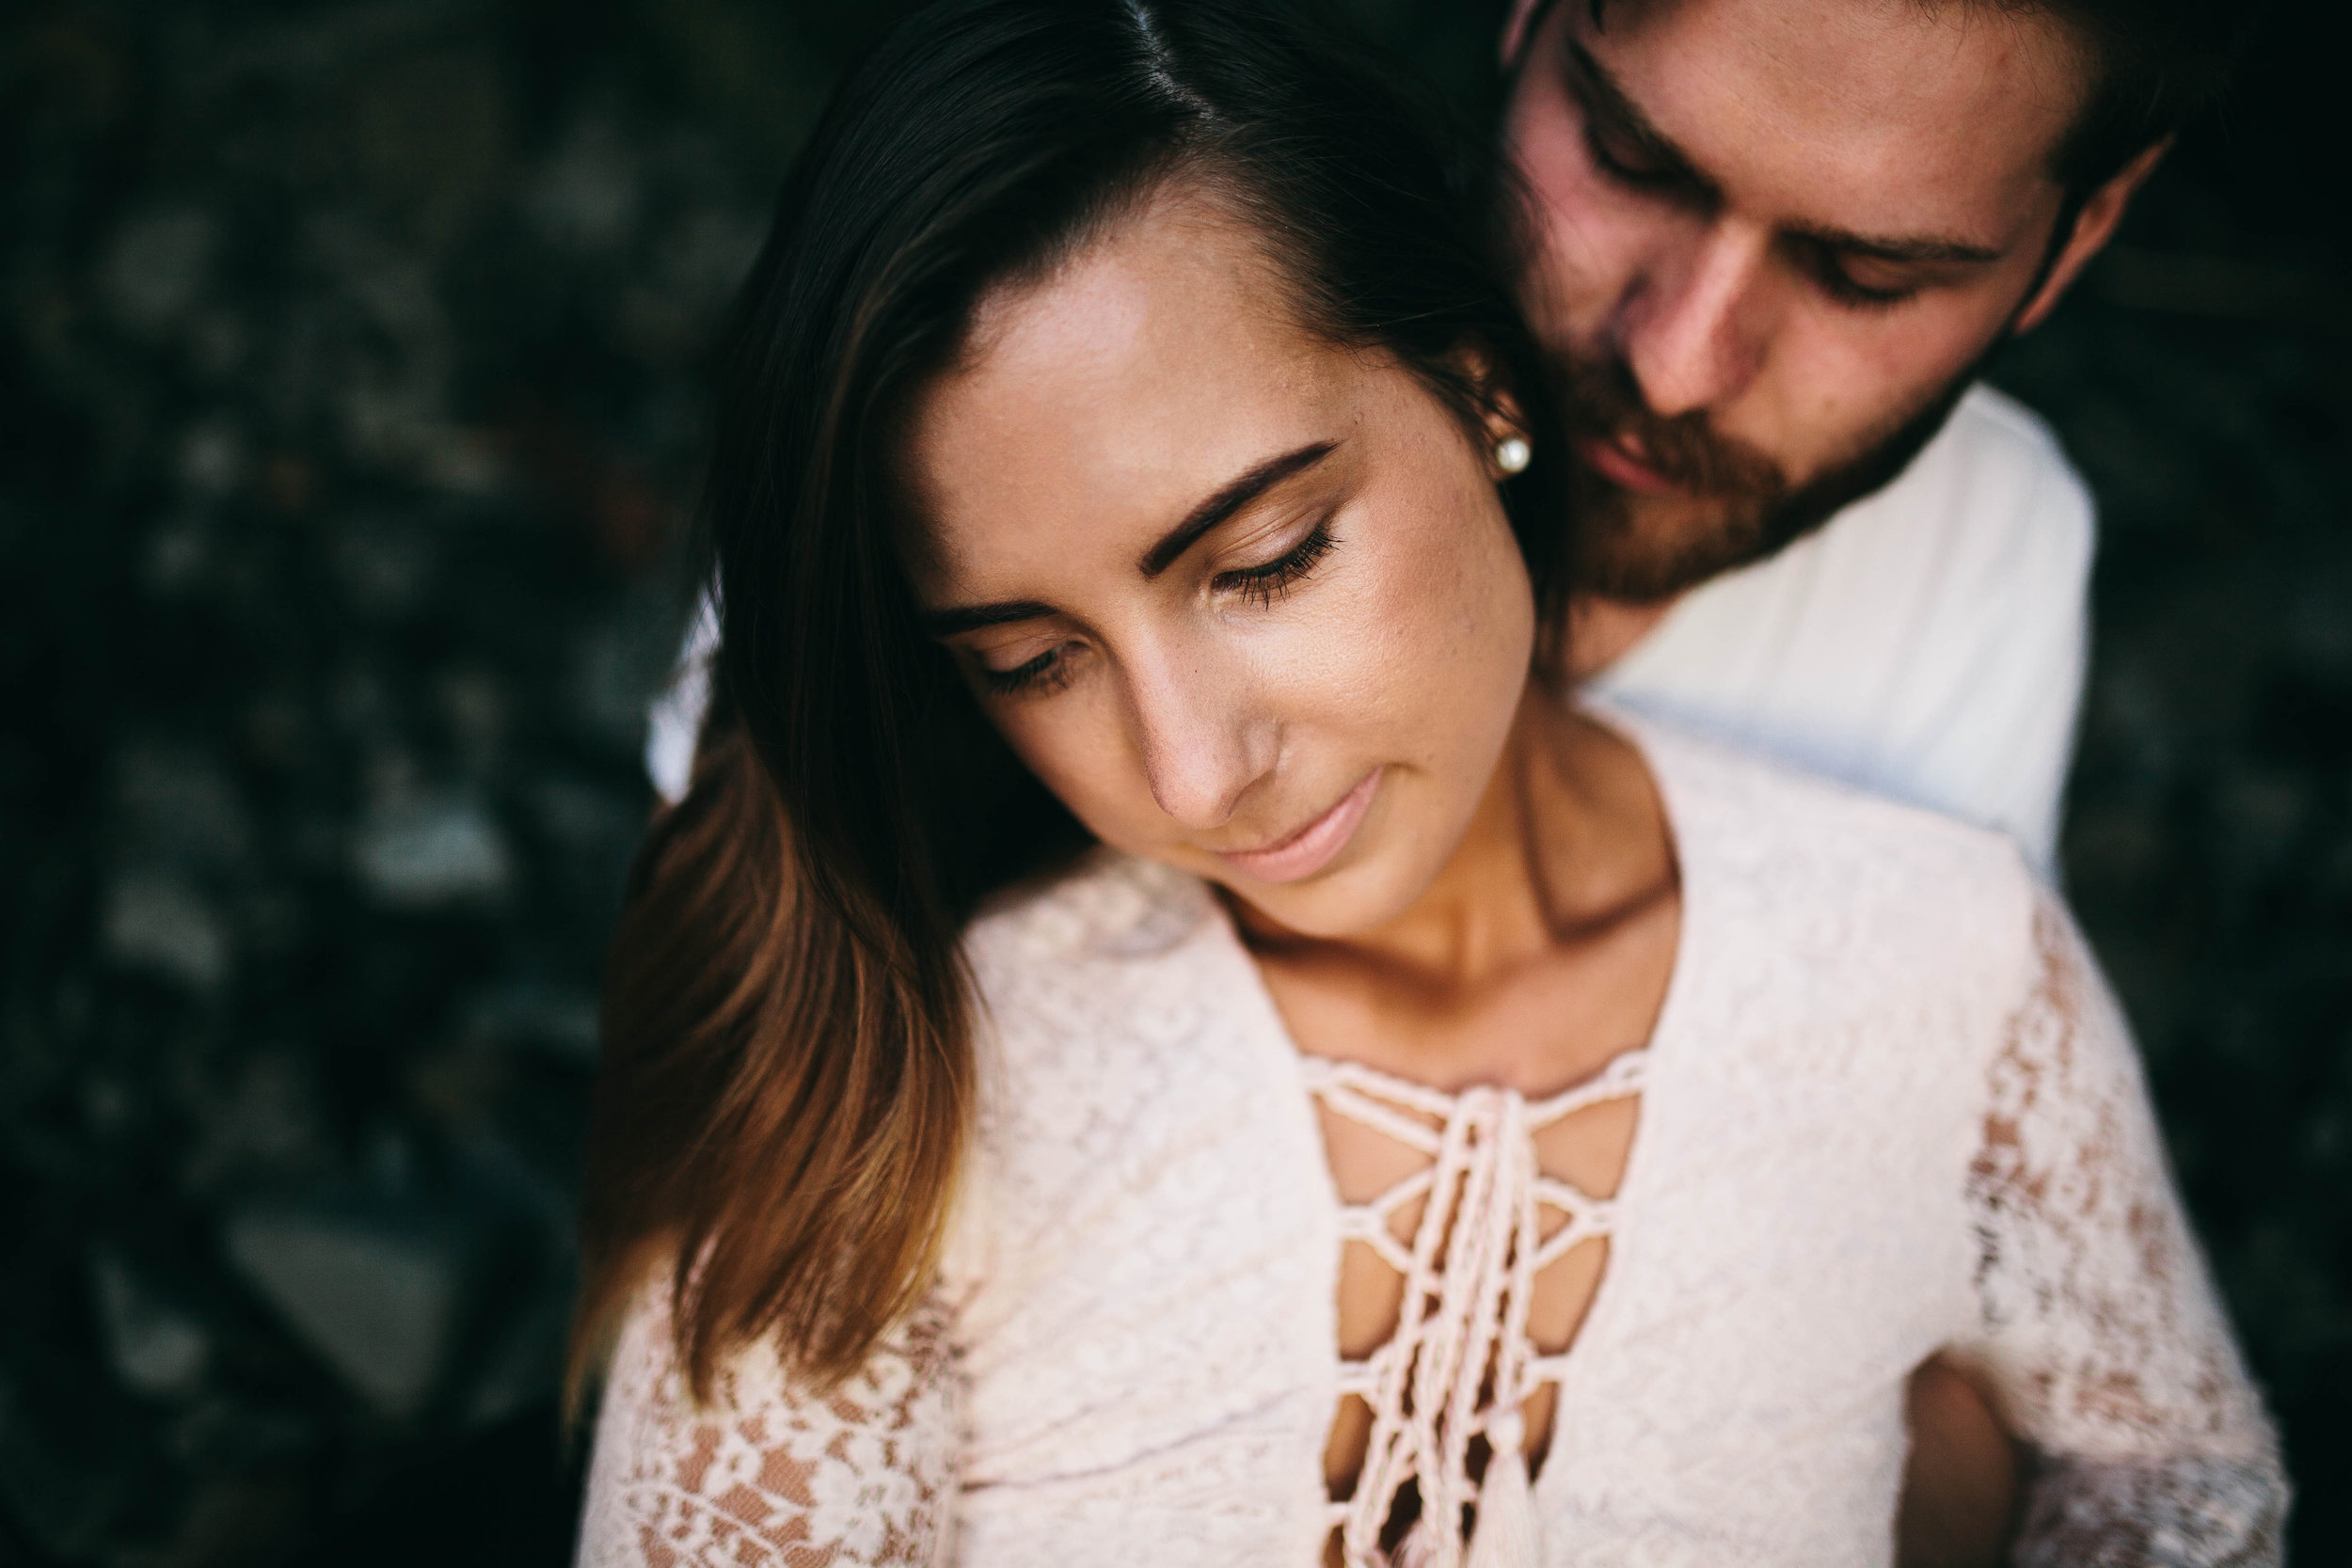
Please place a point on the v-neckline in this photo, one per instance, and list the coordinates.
(1601, 1311)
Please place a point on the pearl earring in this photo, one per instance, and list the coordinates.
(1513, 454)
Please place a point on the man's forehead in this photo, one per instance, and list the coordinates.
(1872, 116)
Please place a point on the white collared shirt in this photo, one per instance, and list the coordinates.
(1929, 644)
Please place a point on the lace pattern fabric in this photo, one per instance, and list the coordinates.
(1895, 1111)
(772, 1475)
(1460, 1362)
(2081, 1514)
(2101, 1328)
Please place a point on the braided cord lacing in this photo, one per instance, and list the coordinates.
(1460, 1363)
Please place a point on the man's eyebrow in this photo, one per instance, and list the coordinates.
(1597, 90)
(1603, 99)
(1229, 500)
(1906, 247)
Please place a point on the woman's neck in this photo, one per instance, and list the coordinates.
(1569, 841)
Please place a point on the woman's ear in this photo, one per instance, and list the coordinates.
(1509, 444)
(1502, 421)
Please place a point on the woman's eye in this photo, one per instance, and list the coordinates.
(1265, 584)
(1045, 672)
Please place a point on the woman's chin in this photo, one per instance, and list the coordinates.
(1359, 895)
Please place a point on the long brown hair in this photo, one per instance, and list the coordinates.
(789, 1061)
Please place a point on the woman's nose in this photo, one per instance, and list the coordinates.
(1693, 323)
(1201, 742)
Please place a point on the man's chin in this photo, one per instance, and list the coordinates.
(1645, 550)
(1641, 548)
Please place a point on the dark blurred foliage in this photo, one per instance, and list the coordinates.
(350, 389)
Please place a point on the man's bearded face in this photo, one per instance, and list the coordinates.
(1774, 240)
(1736, 508)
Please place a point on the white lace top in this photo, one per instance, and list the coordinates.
(1888, 1109)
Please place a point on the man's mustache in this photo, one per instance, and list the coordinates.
(1602, 400)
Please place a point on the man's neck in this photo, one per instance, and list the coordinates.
(1600, 632)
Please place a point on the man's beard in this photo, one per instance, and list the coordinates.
(1752, 509)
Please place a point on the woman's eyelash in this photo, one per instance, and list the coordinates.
(1032, 675)
(1259, 584)
(1265, 584)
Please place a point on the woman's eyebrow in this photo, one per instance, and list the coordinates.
(947, 623)
(1229, 500)
(1200, 520)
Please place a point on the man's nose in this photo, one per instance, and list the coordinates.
(1694, 323)
(1201, 742)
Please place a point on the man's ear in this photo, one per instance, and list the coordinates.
(2093, 226)
(1515, 32)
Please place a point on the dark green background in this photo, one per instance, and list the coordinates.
(349, 394)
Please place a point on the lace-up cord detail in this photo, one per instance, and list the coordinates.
(1461, 1360)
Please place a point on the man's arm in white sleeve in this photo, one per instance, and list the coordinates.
(673, 724)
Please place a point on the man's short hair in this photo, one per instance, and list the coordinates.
(2156, 66)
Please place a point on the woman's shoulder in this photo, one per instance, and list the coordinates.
(1836, 868)
(1135, 1085)
(1107, 907)
(1087, 948)
(1719, 791)
(1096, 985)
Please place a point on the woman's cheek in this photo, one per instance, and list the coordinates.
(1450, 620)
(1080, 755)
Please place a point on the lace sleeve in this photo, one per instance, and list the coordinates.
(768, 1475)
(2101, 1333)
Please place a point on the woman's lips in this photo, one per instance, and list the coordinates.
(1620, 467)
(1312, 848)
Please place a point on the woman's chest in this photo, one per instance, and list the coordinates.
(1476, 1231)
(1156, 1317)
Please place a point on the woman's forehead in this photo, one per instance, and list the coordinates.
(1183, 236)
(1096, 403)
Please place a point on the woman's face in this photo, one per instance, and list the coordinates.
(1247, 603)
